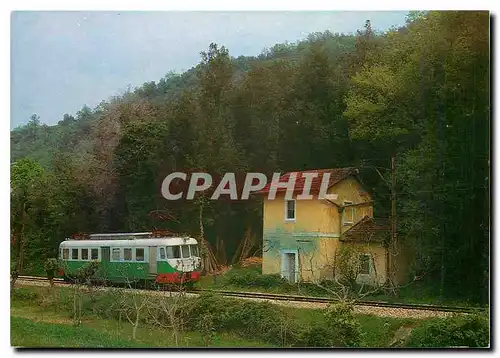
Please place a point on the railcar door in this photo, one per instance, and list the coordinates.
(152, 260)
(105, 254)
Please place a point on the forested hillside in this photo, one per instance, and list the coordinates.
(333, 100)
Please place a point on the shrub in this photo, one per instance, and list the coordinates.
(254, 278)
(248, 319)
(344, 327)
(339, 329)
(24, 294)
(457, 331)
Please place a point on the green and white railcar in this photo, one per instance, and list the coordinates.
(132, 257)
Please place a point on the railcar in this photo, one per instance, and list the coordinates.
(133, 257)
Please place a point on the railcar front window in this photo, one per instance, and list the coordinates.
(127, 254)
(139, 254)
(94, 254)
(74, 254)
(185, 251)
(194, 250)
(65, 254)
(173, 252)
(85, 254)
(115, 256)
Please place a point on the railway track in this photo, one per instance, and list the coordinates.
(309, 299)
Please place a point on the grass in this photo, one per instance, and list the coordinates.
(377, 331)
(33, 334)
(45, 327)
(417, 292)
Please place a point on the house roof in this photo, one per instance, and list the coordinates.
(336, 175)
(368, 230)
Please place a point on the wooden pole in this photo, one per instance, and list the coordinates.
(392, 246)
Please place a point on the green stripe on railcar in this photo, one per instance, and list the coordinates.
(113, 271)
(164, 267)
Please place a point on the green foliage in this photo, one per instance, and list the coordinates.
(263, 321)
(340, 319)
(254, 278)
(458, 331)
(347, 263)
(51, 265)
(28, 333)
(24, 294)
(87, 271)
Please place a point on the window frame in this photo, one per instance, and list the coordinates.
(112, 259)
(131, 254)
(369, 260)
(81, 253)
(197, 250)
(344, 216)
(143, 254)
(164, 253)
(91, 257)
(294, 210)
(182, 252)
(173, 258)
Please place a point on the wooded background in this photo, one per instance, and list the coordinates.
(333, 100)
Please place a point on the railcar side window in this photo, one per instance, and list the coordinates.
(173, 252)
(94, 253)
(139, 254)
(65, 254)
(74, 254)
(185, 251)
(85, 254)
(162, 253)
(194, 250)
(127, 254)
(115, 255)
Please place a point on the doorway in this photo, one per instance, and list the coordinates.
(152, 260)
(105, 254)
(289, 265)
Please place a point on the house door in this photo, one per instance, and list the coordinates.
(152, 260)
(289, 267)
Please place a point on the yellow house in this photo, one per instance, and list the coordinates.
(302, 237)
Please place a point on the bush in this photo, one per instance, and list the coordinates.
(257, 320)
(24, 294)
(344, 327)
(254, 278)
(339, 329)
(458, 331)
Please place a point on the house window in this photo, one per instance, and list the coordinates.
(115, 254)
(364, 262)
(139, 254)
(127, 254)
(65, 254)
(94, 254)
(85, 254)
(348, 213)
(74, 254)
(290, 209)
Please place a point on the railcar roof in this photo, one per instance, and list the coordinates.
(170, 241)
